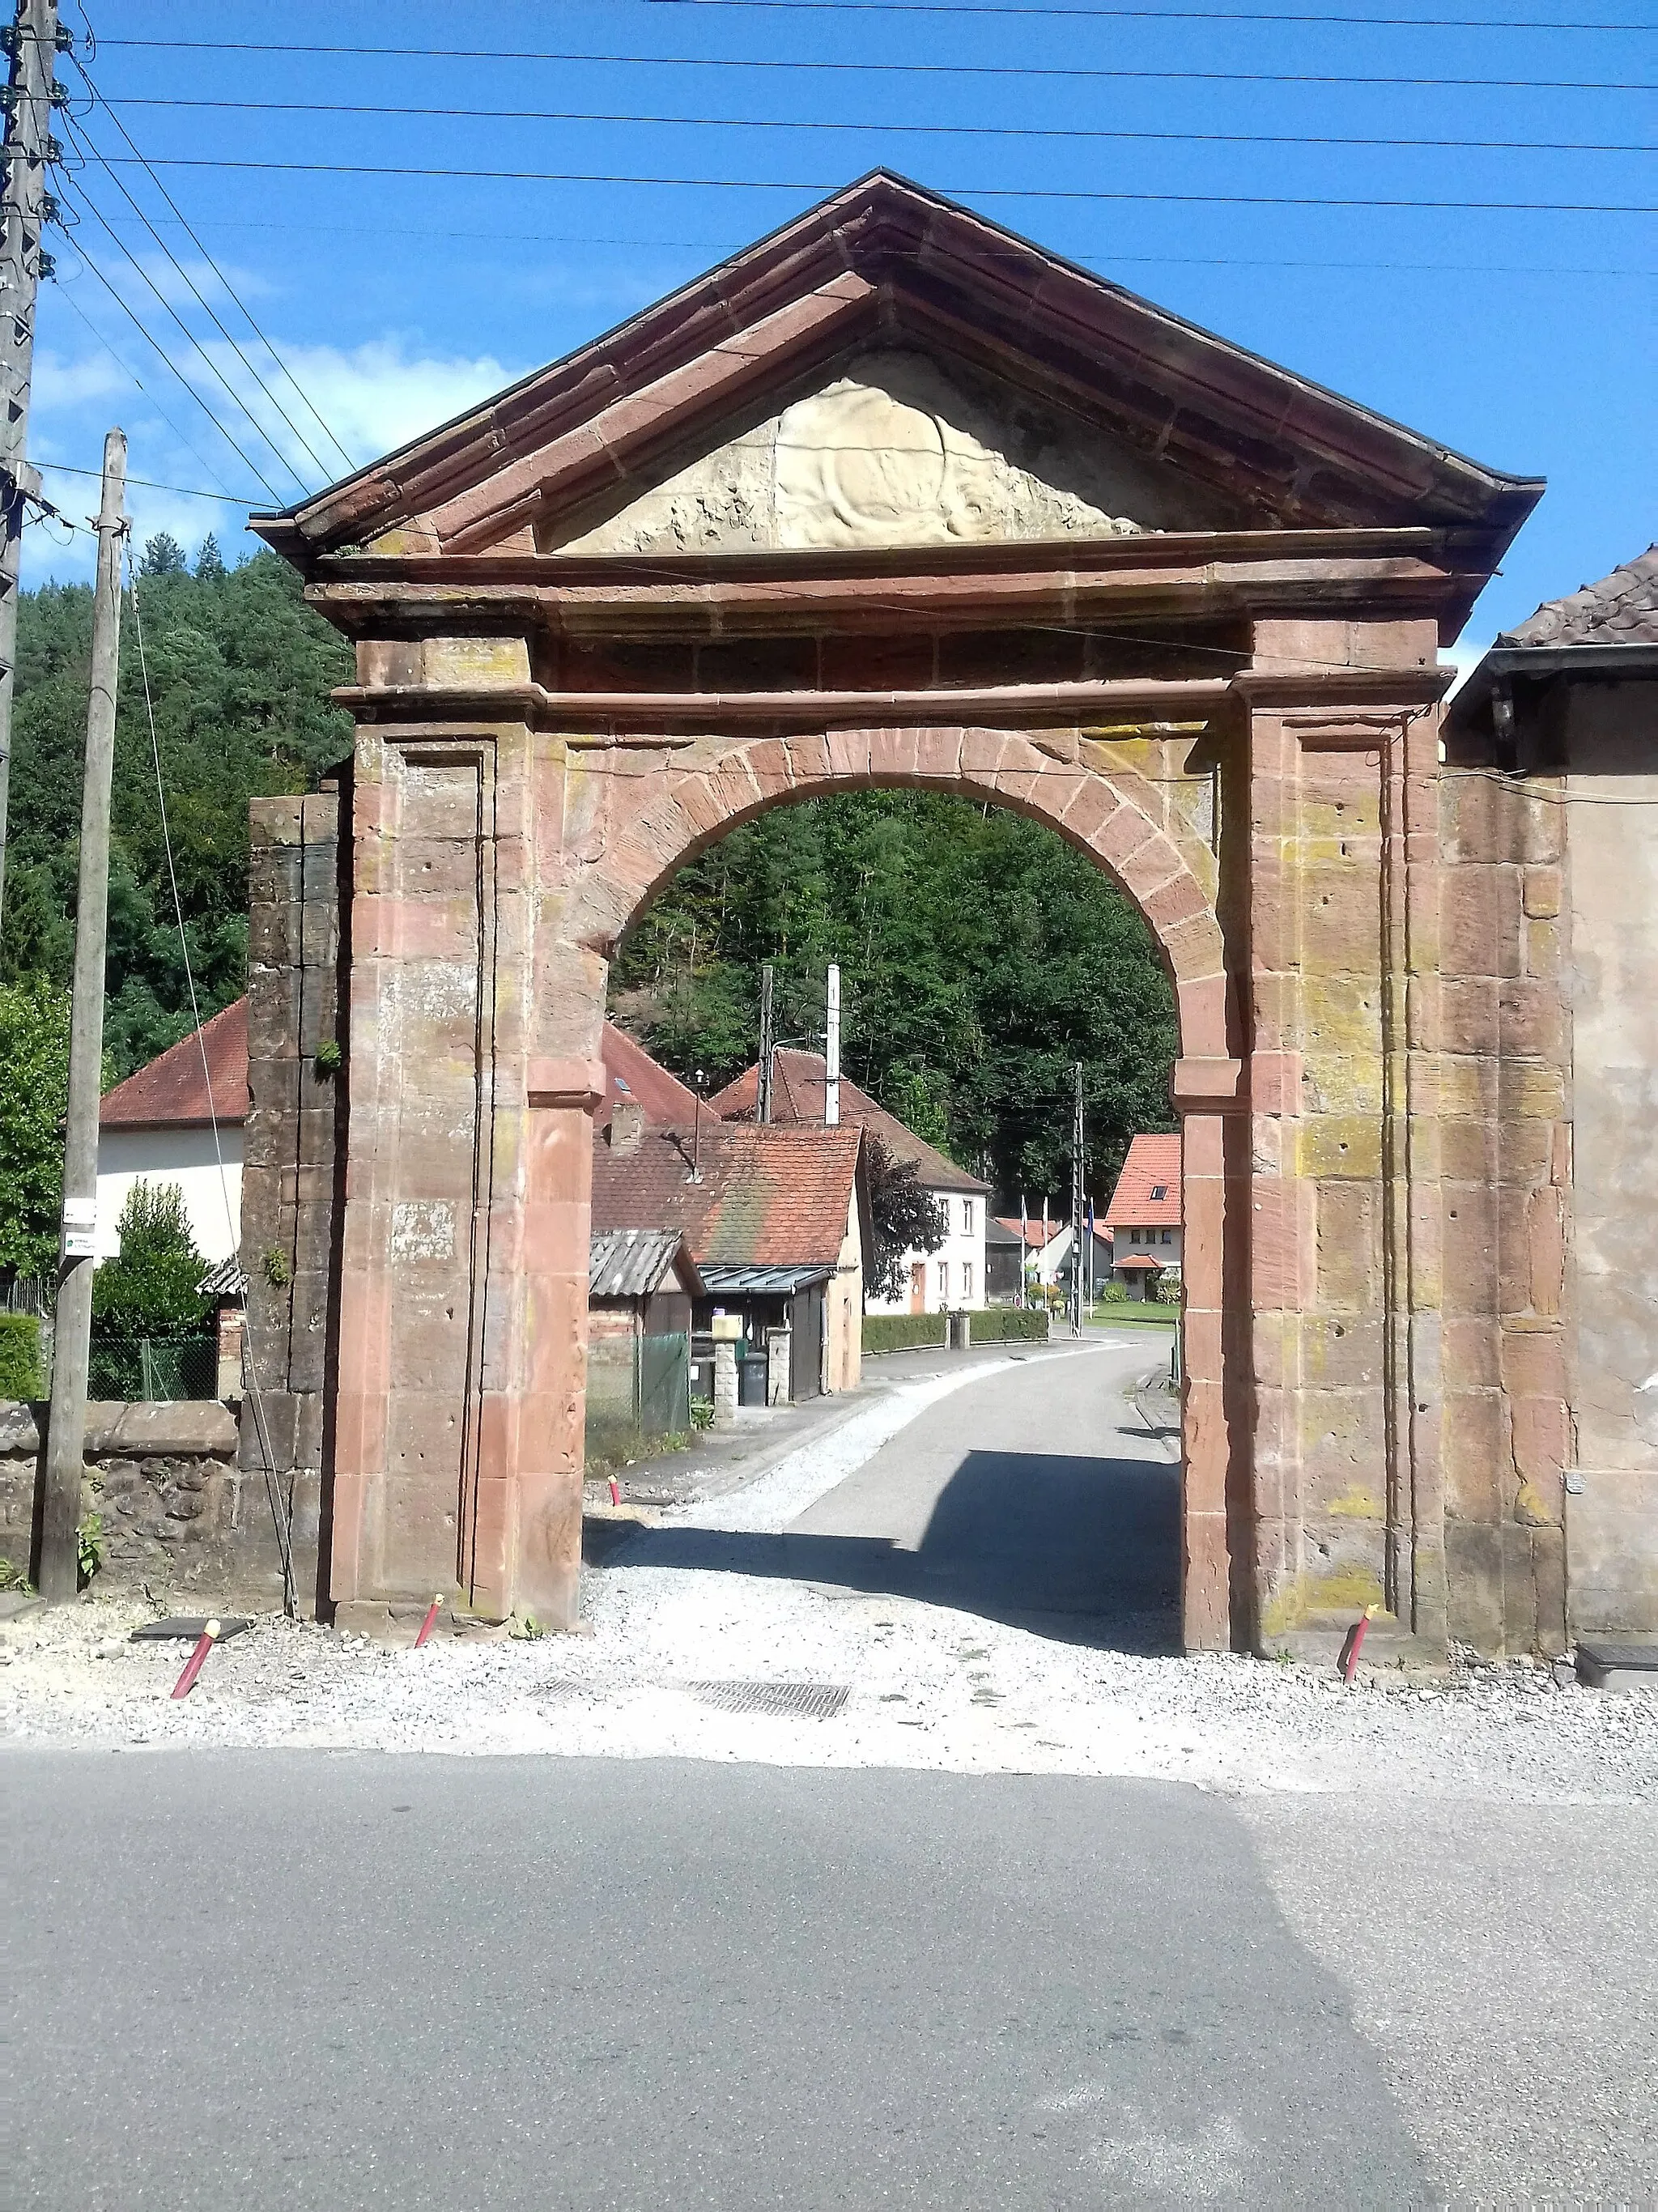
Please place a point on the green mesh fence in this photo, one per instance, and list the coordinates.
(129, 1370)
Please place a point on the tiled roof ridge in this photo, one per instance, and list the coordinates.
(171, 1091)
(737, 1103)
(1621, 608)
(1153, 1161)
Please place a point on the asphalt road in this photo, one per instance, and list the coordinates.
(291, 1979)
(1038, 1498)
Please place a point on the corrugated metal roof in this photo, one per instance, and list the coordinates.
(774, 1282)
(633, 1263)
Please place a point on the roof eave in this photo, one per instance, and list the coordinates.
(1469, 712)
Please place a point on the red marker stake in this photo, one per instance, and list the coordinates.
(430, 1621)
(1355, 1644)
(197, 1660)
(615, 1491)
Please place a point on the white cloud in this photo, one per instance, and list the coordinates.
(377, 395)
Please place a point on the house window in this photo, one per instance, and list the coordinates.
(1159, 1190)
(943, 1282)
(1168, 1235)
(967, 1282)
(967, 1216)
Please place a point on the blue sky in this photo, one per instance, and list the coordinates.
(1524, 338)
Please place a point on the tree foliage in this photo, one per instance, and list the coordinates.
(33, 1100)
(904, 1217)
(240, 672)
(150, 1290)
(981, 957)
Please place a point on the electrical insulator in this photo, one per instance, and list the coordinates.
(48, 263)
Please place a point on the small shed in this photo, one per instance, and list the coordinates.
(640, 1282)
(785, 1317)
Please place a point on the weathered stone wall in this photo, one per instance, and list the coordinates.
(296, 1094)
(1610, 923)
(179, 1518)
(1506, 1144)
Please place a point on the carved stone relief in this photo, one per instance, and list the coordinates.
(899, 451)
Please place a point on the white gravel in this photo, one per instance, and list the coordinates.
(930, 1687)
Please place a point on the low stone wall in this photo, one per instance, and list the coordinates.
(177, 1514)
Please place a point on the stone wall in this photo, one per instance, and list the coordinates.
(178, 1516)
(296, 1104)
(1611, 948)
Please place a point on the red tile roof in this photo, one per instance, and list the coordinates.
(1036, 1236)
(662, 1098)
(769, 1197)
(797, 1083)
(171, 1091)
(1153, 1164)
(1622, 609)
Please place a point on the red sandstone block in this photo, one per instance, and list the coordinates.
(1275, 1246)
(770, 766)
(1202, 1151)
(1174, 901)
(848, 753)
(1474, 1453)
(981, 754)
(1206, 1595)
(1545, 1250)
(1202, 1340)
(1018, 788)
(698, 804)
(938, 754)
(1202, 1004)
(1204, 1430)
(1533, 1362)
(1092, 805)
(1528, 1018)
(892, 753)
(1275, 1082)
(1541, 1430)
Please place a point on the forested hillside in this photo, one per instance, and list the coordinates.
(240, 671)
(982, 956)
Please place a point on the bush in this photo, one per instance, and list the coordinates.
(1008, 1325)
(150, 1290)
(904, 1331)
(21, 1375)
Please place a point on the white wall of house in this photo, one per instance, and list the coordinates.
(1139, 1242)
(184, 1156)
(954, 1275)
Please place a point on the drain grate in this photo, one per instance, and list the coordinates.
(814, 1701)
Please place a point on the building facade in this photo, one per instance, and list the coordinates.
(1144, 1218)
(158, 1126)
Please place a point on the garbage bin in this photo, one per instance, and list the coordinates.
(751, 1378)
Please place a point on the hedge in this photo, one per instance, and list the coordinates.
(20, 1372)
(916, 1332)
(904, 1331)
(1009, 1324)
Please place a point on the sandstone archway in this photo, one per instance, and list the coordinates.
(1180, 605)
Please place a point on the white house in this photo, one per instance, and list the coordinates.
(1144, 1216)
(157, 1126)
(933, 1282)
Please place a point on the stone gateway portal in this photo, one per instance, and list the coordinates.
(896, 498)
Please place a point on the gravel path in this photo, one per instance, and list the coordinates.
(929, 1685)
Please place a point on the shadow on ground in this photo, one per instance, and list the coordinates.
(1080, 1549)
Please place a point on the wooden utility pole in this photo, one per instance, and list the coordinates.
(767, 1047)
(1077, 1208)
(59, 1578)
(31, 95)
(832, 1051)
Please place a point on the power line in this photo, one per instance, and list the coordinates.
(150, 483)
(127, 370)
(162, 354)
(724, 245)
(958, 191)
(883, 69)
(1147, 14)
(900, 129)
(86, 145)
(232, 292)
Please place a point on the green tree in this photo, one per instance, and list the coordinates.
(981, 957)
(162, 555)
(33, 1100)
(150, 1290)
(904, 1217)
(239, 674)
(209, 561)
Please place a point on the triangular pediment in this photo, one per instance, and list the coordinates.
(890, 370)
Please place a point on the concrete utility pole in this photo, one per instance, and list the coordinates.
(832, 1052)
(1077, 1224)
(59, 1576)
(31, 95)
(768, 1047)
